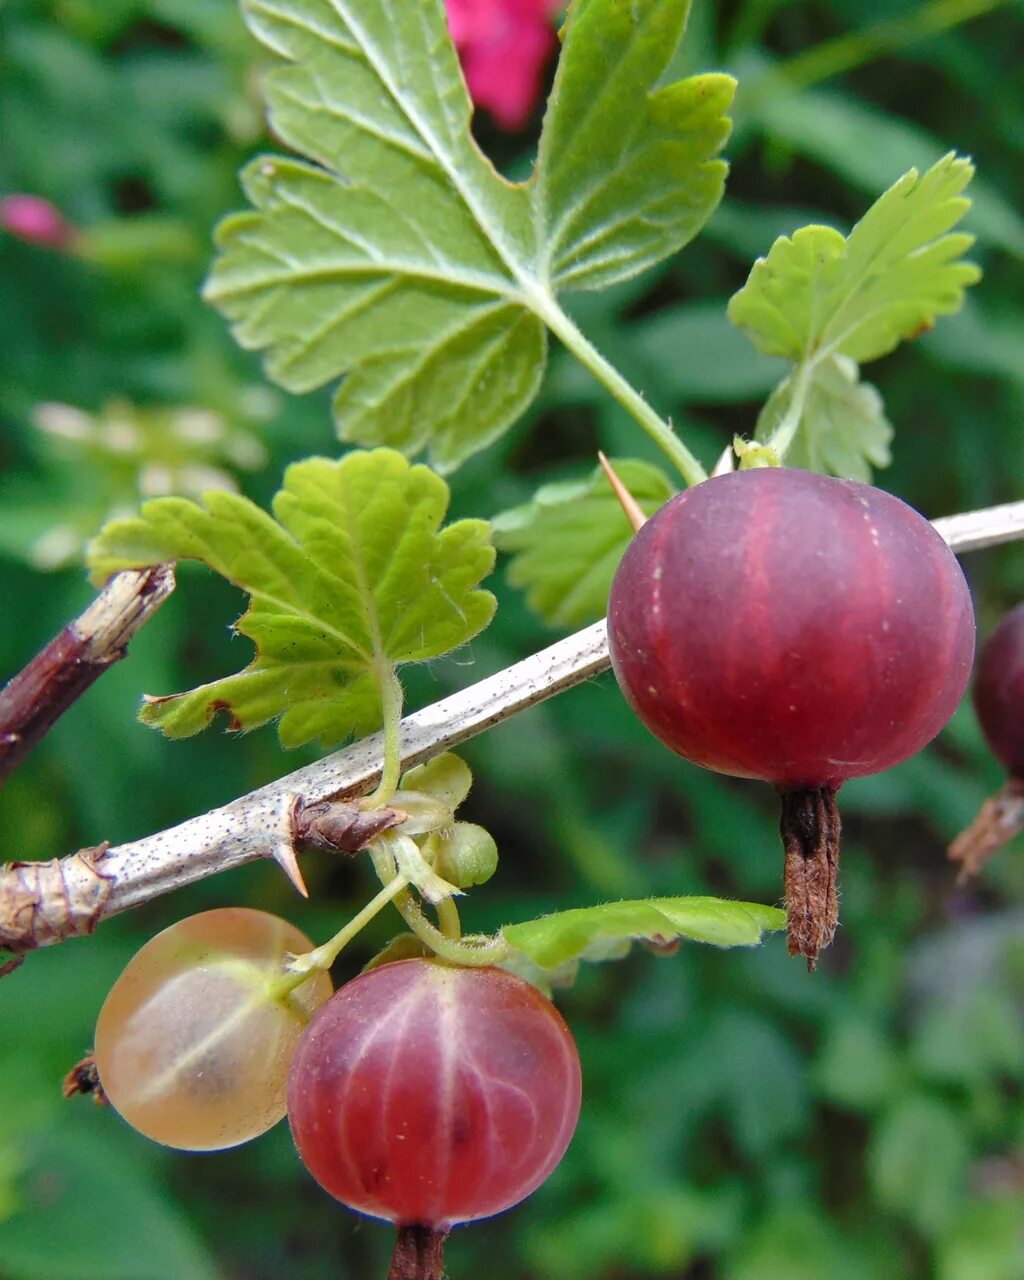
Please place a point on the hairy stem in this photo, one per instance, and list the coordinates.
(631, 400)
(320, 959)
(476, 952)
(448, 920)
(391, 768)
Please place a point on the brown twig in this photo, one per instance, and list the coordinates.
(40, 693)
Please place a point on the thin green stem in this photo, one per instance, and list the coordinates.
(631, 400)
(783, 435)
(475, 952)
(320, 959)
(391, 766)
(448, 919)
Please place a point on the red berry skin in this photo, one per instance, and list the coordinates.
(999, 691)
(431, 1095)
(791, 627)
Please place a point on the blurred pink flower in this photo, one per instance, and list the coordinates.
(503, 45)
(36, 220)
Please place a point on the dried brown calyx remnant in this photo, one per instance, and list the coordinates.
(339, 826)
(329, 826)
(45, 902)
(1000, 818)
(418, 1255)
(811, 831)
(42, 691)
(84, 1078)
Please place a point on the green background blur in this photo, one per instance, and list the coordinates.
(742, 1121)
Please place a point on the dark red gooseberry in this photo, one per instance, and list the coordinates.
(430, 1095)
(999, 703)
(999, 691)
(791, 627)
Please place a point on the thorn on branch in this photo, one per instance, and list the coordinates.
(56, 677)
(328, 826)
(633, 511)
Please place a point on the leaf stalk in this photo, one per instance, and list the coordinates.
(622, 391)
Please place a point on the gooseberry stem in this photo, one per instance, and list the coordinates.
(321, 958)
(631, 400)
(448, 919)
(476, 952)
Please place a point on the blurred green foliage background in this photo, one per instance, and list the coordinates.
(742, 1120)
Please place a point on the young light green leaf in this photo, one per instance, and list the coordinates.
(461, 852)
(354, 576)
(400, 261)
(818, 293)
(626, 174)
(843, 429)
(552, 940)
(446, 777)
(568, 541)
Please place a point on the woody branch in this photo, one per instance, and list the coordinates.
(45, 902)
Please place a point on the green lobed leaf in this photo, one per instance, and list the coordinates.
(353, 576)
(626, 175)
(568, 540)
(554, 939)
(818, 293)
(843, 429)
(400, 261)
